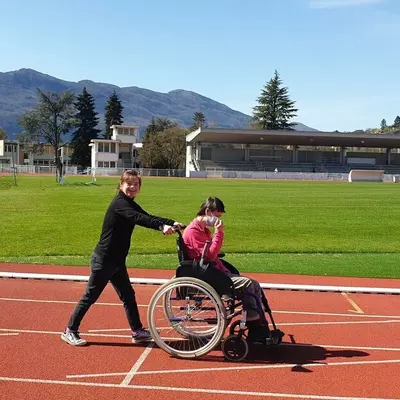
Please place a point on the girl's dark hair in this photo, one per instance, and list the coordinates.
(213, 204)
(126, 175)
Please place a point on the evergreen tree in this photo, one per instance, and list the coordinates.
(383, 124)
(274, 109)
(113, 114)
(3, 134)
(86, 129)
(199, 121)
(396, 123)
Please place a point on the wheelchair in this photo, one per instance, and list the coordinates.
(189, 315)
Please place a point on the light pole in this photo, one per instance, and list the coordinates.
(14, 168)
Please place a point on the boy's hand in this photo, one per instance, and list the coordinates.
(168, 230)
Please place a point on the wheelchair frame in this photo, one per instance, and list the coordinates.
(208, 331)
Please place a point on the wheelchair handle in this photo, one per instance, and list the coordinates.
(178, 228)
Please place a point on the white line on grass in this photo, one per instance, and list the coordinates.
(238, 368)
(189, 390)
(128, 378)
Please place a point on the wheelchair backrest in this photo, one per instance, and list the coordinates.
(198, 269)
(181, 248)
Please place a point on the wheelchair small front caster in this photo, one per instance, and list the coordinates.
(235, 348)
(234, 329)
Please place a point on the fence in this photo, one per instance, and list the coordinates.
(73, 170)
(306, 176)
(180, 173)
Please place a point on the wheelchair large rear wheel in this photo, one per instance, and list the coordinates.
(186, 317)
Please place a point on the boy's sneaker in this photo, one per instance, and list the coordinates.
(73, 338)
(141, 336)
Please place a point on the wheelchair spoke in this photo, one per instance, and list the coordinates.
(186, 318)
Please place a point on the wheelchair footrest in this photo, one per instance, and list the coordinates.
(274, 338)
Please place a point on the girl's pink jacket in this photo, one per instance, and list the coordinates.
(195, 237)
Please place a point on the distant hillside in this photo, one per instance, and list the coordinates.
(18, 94)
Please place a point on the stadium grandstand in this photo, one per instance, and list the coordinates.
(215, 151)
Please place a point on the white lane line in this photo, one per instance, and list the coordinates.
(59, 333)
(56, 301)
(238, 368)
(129, 376)
(146, 305)
(394, 321)
(163, 328)
(190, 390)
(356, 308)
(282, 344)
(335, 314)
(9, 334)
(328, 346)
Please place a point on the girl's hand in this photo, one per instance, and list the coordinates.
(219, 225)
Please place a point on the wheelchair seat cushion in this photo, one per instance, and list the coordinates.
(221, 282)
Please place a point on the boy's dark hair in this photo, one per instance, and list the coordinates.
(213, 204)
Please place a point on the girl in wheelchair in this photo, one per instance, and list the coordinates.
(195, 236)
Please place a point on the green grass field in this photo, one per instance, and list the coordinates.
(316, 228)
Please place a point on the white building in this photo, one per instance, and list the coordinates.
(118, 152)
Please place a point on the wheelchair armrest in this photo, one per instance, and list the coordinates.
(186, 263)
(221, 255)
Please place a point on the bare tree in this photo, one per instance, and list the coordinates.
(50, 121)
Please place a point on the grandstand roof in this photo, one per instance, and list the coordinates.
(314, 138)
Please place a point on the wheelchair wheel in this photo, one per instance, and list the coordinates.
(186, 326)
(235, 348)
(170, 312)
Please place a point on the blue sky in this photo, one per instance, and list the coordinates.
(339, 58)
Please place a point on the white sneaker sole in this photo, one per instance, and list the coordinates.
(82, 342)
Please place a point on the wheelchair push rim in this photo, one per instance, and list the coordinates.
(189, 325)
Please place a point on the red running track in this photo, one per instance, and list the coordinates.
(336, 346)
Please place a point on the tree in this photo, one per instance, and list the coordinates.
(162, 144)
(199, 121)
(383, 124)
(3, 135)
(396, 123)
(164, 149)
(113, 114)
(87, 121)
(158, 125)
(274, 109)
(52, 118)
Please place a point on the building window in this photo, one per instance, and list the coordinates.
(101, 147)
(106, 147)
(100, 164)
(112, 164)
(106, 164)
(112, 148)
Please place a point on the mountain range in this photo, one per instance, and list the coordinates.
(18, 94)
